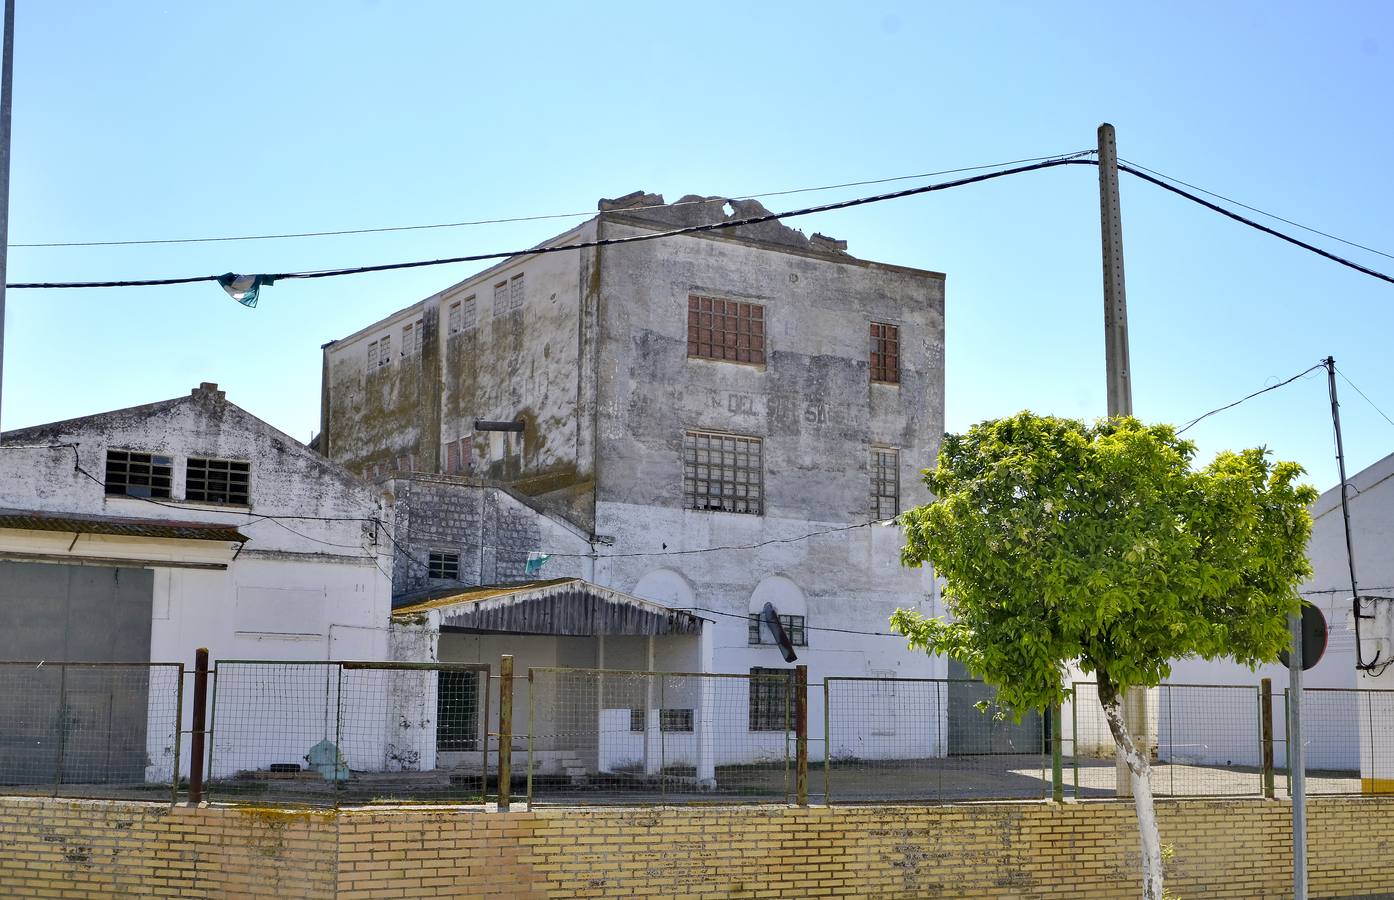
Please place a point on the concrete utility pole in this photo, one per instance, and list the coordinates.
(7, 69)
(1120, 386)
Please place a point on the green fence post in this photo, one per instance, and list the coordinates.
(1057, 777)
(827, 747)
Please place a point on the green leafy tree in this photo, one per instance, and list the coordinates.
(1062, 543)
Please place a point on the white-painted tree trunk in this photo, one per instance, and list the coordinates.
(1140, 770)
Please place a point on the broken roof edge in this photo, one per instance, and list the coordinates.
(119, 526)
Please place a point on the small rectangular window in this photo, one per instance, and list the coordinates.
(468, 314)
(453, 318)
(668, 719)
(725, 329)
(515, 293)
(722, 472)
(444, 564)
(793, 627)
(885, 483)
(885, 353)
(500, 298)
(771, 699)
(457, 456)
(372, 356)
(408, 332)
(217, 481)
(133, 474)
(384, 350)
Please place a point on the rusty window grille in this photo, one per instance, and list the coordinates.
(133, 474)
(725, 329)
(444, 564)
(722, 472)
(217, 481)
(885, 353)
(885, 482)
(668, 719)
(793, 627)
(769, 698)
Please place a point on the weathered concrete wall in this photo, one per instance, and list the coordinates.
(814, 405)
(515, 354)
(492, 530)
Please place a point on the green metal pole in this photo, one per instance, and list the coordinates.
(1057, 778)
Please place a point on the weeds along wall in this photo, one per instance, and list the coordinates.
(1219, 848)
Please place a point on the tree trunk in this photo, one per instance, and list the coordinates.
(1140, 770)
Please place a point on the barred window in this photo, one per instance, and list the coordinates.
(793, 627)
(461, 316)
(372, 355)
(771, 699)
(500, 298)
(725, 329)
(885, 353)
(885, 482)
(515, 293)
(217, 481)
(134, 474)
(668, 719)
(444, 564)
(452, 320)
(468, 314)
(722, 472)
(385, 350)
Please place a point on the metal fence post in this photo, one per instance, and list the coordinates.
(1265, 711)
(506, 731)
(196, 726)
(178, 732)
(801, 735)
(1057, 775)
(827, 746)
(1074, 732)
(62, 727)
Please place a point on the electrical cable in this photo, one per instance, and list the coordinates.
(579, 245)
(535, 218)
(1256, 209)
(1272, 387)
(1366, 398)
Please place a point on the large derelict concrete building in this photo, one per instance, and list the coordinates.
(739, 388)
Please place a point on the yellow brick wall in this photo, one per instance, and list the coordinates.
(1219, 848)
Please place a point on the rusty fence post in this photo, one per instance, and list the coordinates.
(197, 724)
(801, 735)
(505, 731)
(1265, 712)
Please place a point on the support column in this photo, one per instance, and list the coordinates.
(706, 713)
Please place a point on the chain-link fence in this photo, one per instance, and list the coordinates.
(90, 729)
(346, 732)
(1204, 740)
(898, 739)
(596, 736)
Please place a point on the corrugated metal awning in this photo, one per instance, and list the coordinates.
(74, 523)
(561, 606)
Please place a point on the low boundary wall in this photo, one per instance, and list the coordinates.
(1220, 848)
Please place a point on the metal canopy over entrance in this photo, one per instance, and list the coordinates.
(564, 606)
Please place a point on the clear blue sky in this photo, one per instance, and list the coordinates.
(153, 120)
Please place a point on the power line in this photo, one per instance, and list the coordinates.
(535, 218)
(1250, 222)
(1272, 387)
(1257, 210)
(1367, 399)
(579, 245)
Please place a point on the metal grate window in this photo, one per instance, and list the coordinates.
(793, 627)
(444, 564)
(452, 319)
(722, 472)
(134, 474)
(725, 329)
(515, 293)
(217, 481)
(885, 353)
(500, 298)
(411, 337)
(771, 699)
(885, 482)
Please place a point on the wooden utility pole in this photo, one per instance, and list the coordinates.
(1120, 385)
